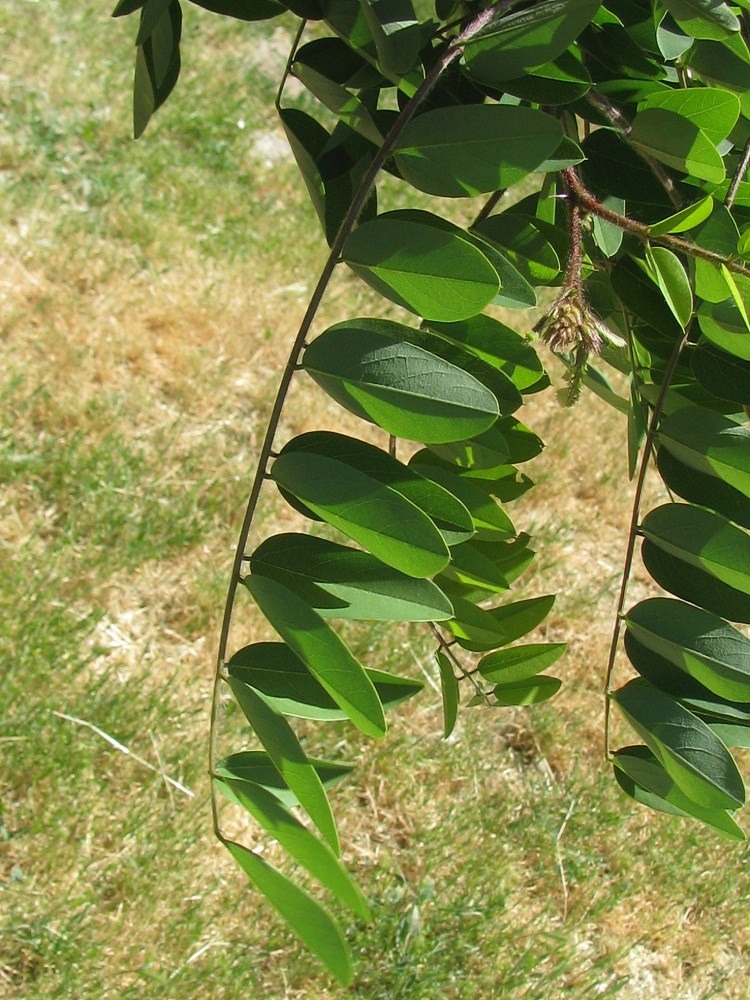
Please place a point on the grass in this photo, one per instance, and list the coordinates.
(147, 293)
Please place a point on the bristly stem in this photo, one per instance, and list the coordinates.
(451, 53)
(589, 203)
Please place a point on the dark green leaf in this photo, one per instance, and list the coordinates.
(518, 663)
(529, 692)
(307, 918)
(396, 32)
(464, 151)
(525, 245)
(642, 777)
(447, 512)
(699, 488)
(345, 105)
(258, 767)
(673, 282)
(519, 42)
(481, 630)
(471, 567)
(694, 584)
(695, 759)
(724, 375)
(244, 10)
(491, 523)
(322, 651)
(288, 757)
(340, 582)
(371, 368)
(710, 443)
(315, 856)
(498, 345)
(698, 642)
(157, 66)
(434, 273)
(449, 688)
(564, 80)
(371, 513)
(272, 669)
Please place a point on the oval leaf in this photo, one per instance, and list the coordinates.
(272, 669)
(288, 757)
(322, 651)
(432, 272)
(340, 582)
(693, 756)
(709, 442)
(449, 688)
(518, 663)
(464, 151)
(403, 388)
(314, 925)
(698, 642)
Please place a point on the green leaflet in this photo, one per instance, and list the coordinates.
(315, 856)
(403, 388)
(702, 539)
(561, 81)
(703, 18)
(531, 691)
(673, 282)
(697, 641)
(481, 630)
(685, 219)
(449, 689)
(345, 105)
(258, 767)
(371, 513)
(341, 582)
(694, 584)
(722, 374)
(278, 674)
(322, 651)
(491, 523)
(723, 325)
(244, 10)
(396, 33)
(308, 919)
(432, 272)
(692, 755)
(713, 111)
(463, 151)
(518, 663)
(710, 443)
(498, 345)
(527, 248)
(706, 490)
(517, 43)
(643, 778)
(288, 757)
(678, 143)
(471, 567)
(157, 61)
(446, 511)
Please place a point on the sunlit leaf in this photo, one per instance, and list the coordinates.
(518, 663)
(701, 643)
(299, 842)
(464, 151)
(643, 778)
(678, 143)
(692, 755)
(307, 918)
(703, 489)
(531, 691)
(258, 767)
(278, 674)
(322, 651)
(449, 688)
(289, 759)
(673, 282)
(405, 389)
(432, 272)
(341, 582)
(710, 443)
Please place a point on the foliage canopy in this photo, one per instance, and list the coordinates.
(628, 126)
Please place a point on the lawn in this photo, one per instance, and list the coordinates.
(148, 292)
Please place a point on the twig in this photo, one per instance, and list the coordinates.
(123, 749)
(738, 175)
(558, 852)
